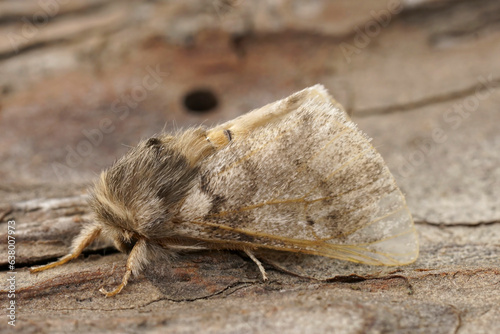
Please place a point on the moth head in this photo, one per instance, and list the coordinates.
(139, 195)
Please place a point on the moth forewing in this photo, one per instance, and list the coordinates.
(295, 175)
(310, 182)
(270, 113)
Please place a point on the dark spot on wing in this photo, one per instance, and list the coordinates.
(217, 202)
(334, 215)
(228, 134)
(247, 238)
(204, 184)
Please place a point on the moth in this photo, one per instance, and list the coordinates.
(295, 175)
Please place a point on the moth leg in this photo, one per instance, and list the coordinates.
(257, 262)
(120, 287)
(79, 244)
(135, 263)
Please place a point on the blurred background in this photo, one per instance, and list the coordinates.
(81, 81)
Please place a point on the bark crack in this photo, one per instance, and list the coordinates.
(458, 224)
(425, 102)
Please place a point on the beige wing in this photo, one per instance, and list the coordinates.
(306, 180)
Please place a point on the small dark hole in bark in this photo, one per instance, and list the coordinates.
(200, 101)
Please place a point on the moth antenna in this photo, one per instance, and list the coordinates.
(135, 264)
(257, 262)
(79, 244)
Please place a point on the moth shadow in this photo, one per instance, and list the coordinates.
(194, 275)
(319, 267)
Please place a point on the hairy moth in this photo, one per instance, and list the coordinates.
(295, 175)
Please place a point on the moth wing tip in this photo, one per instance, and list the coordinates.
(319, 88)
